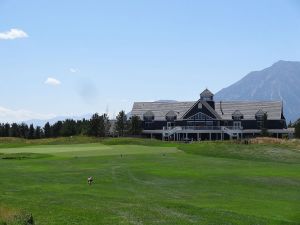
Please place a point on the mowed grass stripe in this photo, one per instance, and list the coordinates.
(90, 150)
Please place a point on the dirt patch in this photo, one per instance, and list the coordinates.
(13, 216)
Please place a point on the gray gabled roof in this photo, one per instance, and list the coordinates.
(160, 109)
(249, 109)
(223, 109)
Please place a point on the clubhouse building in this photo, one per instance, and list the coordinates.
(206, 119)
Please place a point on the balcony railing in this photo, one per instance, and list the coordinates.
(205, 127)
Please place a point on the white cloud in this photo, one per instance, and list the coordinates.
(52, 81)
(13, 34)
(73, 70)
(10, 115)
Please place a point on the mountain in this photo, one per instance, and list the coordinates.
(41, 123)
(281, 81)
(166, 101)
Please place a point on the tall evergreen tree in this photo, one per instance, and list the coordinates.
(14, 130)
(47, 130)
(31, 132)
(121, 123)
(56, 129)
(96, 126)
(135, 124)
(297, 129)
(37, 133)
(83, 126)
(68, 128)
(6, 131)
(23, 130)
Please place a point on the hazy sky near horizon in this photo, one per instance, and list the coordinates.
(66, 57)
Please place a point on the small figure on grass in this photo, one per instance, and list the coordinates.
(90, 180)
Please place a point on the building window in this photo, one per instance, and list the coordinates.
(237, 115)
(148, 116)
(148, 125)
(261, 119)
(200, 116)
(171, 116)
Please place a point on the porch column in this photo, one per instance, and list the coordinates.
(197, 136)
(210, 136)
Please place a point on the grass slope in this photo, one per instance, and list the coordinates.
(152, 182)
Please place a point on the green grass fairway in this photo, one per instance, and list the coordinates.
(154, 183)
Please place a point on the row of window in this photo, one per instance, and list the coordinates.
(172, 116)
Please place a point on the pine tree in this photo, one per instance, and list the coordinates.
(31, 132)
(121, 123)
(135, 125)
(47, 130)
(37, 133)
(23, 130)
(297, 129)
(6, 131)
(95, 126)
(56, 129)
(68, 128)
(14, 130)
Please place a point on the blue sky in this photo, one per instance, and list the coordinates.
(104, 55)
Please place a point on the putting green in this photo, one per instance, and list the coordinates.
(82, 150)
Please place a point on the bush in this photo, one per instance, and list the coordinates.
(23, 219)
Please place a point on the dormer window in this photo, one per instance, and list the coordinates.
(171, 116)
(148, 116)
(237, 115)
(261, 118)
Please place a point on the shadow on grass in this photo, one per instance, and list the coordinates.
(22, 156)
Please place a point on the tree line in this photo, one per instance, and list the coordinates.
(96, 126)
(296, 125)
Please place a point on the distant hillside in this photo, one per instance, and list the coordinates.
(41, 123)
(281, 81)
(166, 101)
